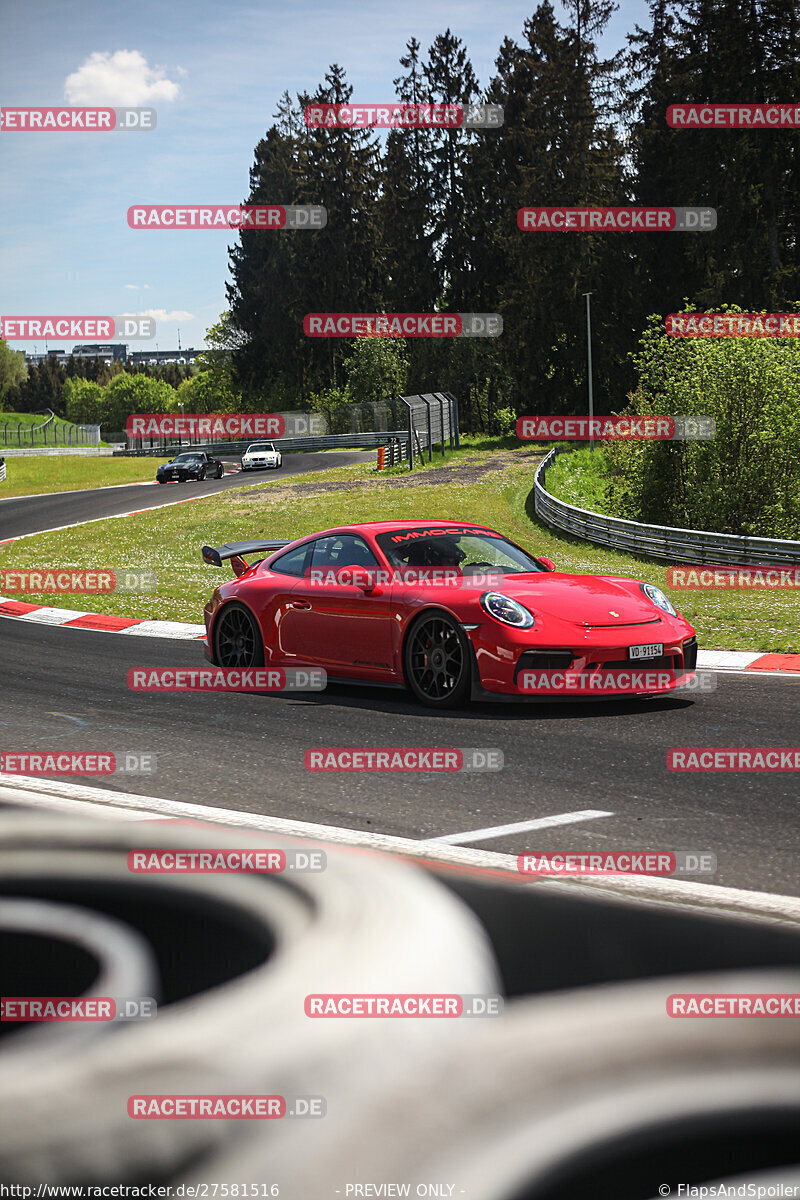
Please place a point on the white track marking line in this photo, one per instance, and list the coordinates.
(496, 831)
(26, 791)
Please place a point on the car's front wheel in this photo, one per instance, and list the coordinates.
(436, 662)
(237, 638)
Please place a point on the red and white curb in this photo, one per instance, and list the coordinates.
(714, 660)
(69, 618)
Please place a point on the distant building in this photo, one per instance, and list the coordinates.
(111, 352)
(161, 357)
(34, 360)
(116, 352)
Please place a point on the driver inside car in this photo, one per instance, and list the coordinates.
(435, 552)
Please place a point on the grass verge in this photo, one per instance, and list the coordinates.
(485, 485)
(35, 474)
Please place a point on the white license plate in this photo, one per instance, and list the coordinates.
(654, 651)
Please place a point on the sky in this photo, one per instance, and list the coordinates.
(214, 73)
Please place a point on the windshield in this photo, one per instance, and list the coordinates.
(455, 546)
(188, 458)
(259, 447)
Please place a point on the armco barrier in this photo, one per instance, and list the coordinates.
(658, 541)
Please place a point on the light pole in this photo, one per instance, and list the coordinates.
(180, 406)
(589, 357)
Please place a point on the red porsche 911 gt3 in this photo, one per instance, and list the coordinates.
(448, 609)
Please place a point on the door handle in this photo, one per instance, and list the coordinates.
(300, 604)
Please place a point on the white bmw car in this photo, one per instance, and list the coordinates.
(259, 456)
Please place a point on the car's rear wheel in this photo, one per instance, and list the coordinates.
(220, 471)
(237, 638)
(436, 663)
(202, 474)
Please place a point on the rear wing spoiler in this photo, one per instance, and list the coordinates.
(214, 555)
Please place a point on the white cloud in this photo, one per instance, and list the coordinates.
(133, 287)
(119, 79)
(161, 314)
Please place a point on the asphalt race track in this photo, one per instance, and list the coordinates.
(246, 751)
(37, 514)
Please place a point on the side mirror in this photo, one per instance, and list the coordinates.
(548, 563)
(358, 577)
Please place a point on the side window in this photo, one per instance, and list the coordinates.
(294, 562)
(342, 550)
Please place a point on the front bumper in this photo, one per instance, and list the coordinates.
(514, 669)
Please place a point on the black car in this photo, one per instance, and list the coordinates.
(194, 464)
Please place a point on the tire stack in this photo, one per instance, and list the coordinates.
(230, 959)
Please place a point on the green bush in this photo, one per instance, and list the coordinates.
(745, 481)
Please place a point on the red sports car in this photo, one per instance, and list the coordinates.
(447, 609)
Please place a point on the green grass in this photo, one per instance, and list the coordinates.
(477, 485)
(44, 437)
(581, 478)
(35, 474)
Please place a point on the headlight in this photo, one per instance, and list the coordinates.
(504, 609)
(658, 598)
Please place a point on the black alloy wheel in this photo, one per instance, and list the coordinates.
(237, 638)
(436, 663)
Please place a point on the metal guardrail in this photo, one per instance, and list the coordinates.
(658, 541)
(330, 441)
(67, 433)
